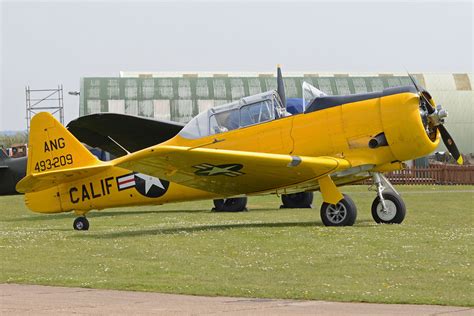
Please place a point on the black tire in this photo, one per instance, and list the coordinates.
(230, 205)
(297, 200)
(81, 223)
(344, 213)
(396, 209)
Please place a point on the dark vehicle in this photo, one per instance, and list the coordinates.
(12, 170)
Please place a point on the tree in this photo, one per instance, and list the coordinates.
(7, 140)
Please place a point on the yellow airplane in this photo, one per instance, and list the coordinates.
(249, 147)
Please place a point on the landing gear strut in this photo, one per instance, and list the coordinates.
(81, 223)
(388, 207)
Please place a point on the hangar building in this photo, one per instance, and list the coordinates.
(180, 96)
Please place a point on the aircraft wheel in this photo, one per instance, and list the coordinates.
(297, 200)
(230, 205)
(344, 213)
(395, 212)
(81, 223)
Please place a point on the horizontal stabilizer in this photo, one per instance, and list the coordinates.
(41, 181)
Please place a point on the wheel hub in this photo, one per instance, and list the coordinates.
(389, 213)
(336, 213)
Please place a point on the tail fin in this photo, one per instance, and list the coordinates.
(55, 155)
(52, 147)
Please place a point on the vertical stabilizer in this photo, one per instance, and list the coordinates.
(52, 147)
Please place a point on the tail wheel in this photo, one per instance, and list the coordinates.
(297, 200)
(344, 213)
(230, 205)
(395, 212)
(81, 223)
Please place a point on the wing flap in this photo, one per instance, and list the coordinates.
(228, 172)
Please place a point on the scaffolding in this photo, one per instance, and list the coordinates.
(41, 100)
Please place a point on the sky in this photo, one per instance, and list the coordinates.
(46, 43)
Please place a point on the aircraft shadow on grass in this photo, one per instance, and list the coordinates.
(124, 213)
(199, 228)
(102, 214)
(204, 228)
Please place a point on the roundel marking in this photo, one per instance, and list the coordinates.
(150, 186)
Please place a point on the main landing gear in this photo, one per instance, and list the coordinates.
(387, 208)
(230, 205)
(297, 200)
(344, 213)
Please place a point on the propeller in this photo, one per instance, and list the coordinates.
(281, 86)
(424, 95)
(449, 143)
(436, 117)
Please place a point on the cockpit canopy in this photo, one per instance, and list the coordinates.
(247, 111)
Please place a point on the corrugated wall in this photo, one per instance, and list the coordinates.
(180, 96)
(179, 99)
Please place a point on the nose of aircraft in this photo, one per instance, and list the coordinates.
(434, 117)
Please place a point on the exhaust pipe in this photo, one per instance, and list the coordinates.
(378, 141)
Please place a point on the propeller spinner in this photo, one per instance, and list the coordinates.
(434, 120)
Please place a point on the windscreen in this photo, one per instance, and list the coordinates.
(310, 93)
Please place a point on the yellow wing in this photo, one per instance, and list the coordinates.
(228, 172)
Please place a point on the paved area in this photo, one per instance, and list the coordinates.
(48, 300)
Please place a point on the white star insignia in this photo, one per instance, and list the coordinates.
(150, 181)
(217, 170)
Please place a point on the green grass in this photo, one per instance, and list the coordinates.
(266, 252)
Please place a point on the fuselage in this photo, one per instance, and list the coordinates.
(339, 128)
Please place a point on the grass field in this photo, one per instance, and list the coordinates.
(266, 252)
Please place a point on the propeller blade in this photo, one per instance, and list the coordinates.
(414, 82)
(449, 143)
(424, 94)
(281, 87)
